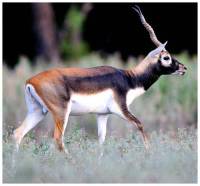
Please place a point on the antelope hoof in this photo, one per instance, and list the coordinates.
(147, 146)
(16, 140)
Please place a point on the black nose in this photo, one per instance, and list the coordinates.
(185, 68)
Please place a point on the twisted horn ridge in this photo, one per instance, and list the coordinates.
(147, 26)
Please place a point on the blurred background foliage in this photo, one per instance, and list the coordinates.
(61, 31)
(72, 45)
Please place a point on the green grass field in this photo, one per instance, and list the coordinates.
(169, 114)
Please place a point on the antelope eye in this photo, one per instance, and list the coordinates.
(166, 58)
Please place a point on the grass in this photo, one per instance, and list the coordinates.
(172, 159)
(169, 114)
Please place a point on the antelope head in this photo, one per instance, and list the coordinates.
(160, 57)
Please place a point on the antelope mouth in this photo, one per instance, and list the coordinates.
(181, 71)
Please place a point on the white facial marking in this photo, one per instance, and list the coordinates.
(166, 60)
(133, 93)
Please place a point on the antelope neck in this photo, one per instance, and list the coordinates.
(146, 78)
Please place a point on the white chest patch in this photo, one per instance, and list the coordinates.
(133, 93)
(92, 103)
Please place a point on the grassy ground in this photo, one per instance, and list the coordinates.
(172, 159)
(168, 111)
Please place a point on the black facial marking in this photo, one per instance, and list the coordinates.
(166, 58)
(170, 69)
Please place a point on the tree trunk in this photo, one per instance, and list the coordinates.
(45, 32)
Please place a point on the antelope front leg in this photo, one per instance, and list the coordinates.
(133, 120)
(102, 123)
(121, 110)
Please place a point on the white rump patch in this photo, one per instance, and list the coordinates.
(30, 90)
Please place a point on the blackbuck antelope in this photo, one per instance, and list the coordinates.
(101, 90)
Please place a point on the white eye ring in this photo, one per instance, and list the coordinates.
(166, 60)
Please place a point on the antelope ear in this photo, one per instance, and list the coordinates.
(158, 50)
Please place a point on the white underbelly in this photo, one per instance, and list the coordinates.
(100, 103)
(93, 103)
